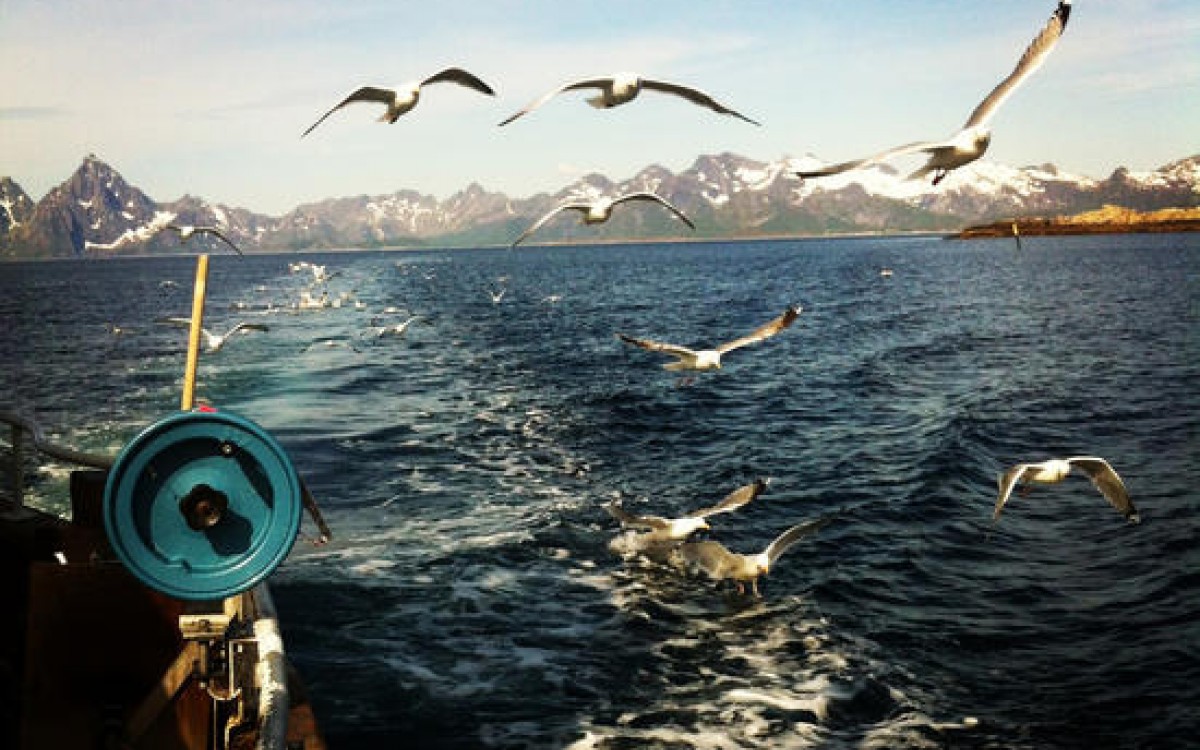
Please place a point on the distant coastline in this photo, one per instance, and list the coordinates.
(1106, 220)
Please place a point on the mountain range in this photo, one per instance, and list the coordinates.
(97, 212)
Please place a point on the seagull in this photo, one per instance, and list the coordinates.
(600, 210)
(186, 232)
(1057, 469)
(624, 87)
(713, 559)
(497, 296)
(969, 143)
(213, 342)
(710, 359)
(404, 97)
(320, 272)
(397, 330)
(659, 529)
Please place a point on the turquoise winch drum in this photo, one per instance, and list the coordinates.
(202, 505)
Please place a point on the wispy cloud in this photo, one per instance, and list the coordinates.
(31, 113)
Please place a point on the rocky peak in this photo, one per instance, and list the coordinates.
(94, 204)
(15, 208)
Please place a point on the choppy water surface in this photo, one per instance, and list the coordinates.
(470, 598)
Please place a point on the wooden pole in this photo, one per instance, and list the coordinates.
(193, 352)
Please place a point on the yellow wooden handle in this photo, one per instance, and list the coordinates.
(193, 353)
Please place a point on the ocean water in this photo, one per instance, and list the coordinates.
(470, 598)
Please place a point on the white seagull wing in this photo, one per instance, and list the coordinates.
(219, 235)
(1006, 482)
(364, 94)
(846, 166)
(764, 331)
(1035, 54)
(790, 537)
(461, 77)
(549, 215)
(1106, 479)
(244, 326)
(589, 83)
(695, 96)
(630, 520)
(735, 499)
(657, 199)
(657, 346)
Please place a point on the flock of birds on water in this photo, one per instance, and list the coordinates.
(673, 540)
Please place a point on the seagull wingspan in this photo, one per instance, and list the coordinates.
(1106, 479)
(590, 83)
(657, 199)
(695, 96)
(1035, 54)
(735, 499)
(364, 94)
(763, 332)
(462, 77)
(791, 536)
(658, 346)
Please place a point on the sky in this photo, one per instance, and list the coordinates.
(209, 97)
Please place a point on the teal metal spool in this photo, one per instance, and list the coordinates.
(202, 505)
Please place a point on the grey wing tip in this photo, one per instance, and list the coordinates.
(509, 119)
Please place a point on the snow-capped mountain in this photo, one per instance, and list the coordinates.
(15, 208)
(97, 211)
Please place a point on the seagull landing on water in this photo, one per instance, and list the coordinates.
(599, 211)
(404, 97)
(969, 143)
(710, 359)
(622, 88)
(1103, 476)
(717, 562)
(213, 342)
(660, 529)
(186, 232)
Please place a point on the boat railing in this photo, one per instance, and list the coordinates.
(23, 427)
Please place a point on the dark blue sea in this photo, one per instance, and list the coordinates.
(469, 598)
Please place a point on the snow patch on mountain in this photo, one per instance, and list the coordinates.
(137, 235)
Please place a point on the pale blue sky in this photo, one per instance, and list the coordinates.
(210, 96)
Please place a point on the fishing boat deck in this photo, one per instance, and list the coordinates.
(90, 657)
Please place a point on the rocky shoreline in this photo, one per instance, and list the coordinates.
(1106, 220)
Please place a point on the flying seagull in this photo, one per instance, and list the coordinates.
(404, 97)
(600, 210)
(397, 330)
(1056, 469)
(186, 232)
(659, 529)
(969, 143)
(624, 87)
(713, 559)
(213, 342)
(710, 359)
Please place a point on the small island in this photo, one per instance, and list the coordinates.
(1106, 220)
